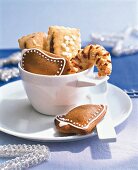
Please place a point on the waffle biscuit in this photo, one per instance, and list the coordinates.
(35, 40)
(44, 63)
(81, 120)
(63, 41)
(93, 55)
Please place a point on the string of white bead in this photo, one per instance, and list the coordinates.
(7, 74)
(26, 156)
(117, 41)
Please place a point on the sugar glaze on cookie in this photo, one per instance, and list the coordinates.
(81, 120)
(63, 121)
(60, 61)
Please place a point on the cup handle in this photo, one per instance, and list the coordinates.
(94, 80)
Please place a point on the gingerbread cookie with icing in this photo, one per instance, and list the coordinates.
(81, 120)
(42, 62)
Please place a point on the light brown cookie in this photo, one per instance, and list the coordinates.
(63, 41)
(81, 120)
(35, 40)
(93, 55)
(42, 62)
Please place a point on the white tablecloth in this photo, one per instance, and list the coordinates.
(91, 153)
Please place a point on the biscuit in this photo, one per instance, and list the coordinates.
(63, 41)
(93, 55)
(80, 120)
(35, 40)
(42, 62)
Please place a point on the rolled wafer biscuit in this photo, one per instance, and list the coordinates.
(93, 55)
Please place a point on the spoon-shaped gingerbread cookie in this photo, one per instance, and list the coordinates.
(80, 120)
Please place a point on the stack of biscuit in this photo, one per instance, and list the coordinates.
(65, 42)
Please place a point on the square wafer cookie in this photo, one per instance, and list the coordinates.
(63, 41)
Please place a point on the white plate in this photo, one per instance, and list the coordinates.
(18, 118)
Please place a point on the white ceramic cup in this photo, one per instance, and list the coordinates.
(53, 95)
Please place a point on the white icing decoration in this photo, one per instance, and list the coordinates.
(62, 123)
(66, 37)
(73, 48)
(63, 45)
(53, 59)
(74, 37)
(67, 49)
(79, 125)
(71, 43)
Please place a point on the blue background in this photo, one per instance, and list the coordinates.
(21, 17)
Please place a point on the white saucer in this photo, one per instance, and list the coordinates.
(18, 118)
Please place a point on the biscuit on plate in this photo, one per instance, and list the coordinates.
(80, 120)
